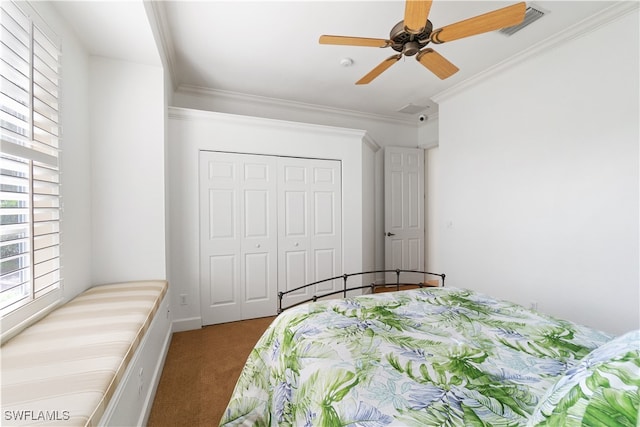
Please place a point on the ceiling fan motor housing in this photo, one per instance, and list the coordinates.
(407, 43)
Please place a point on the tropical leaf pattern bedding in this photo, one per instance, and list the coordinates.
(431, 356)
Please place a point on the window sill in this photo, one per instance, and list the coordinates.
(16, 321)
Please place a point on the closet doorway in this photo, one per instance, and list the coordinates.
(267, 224)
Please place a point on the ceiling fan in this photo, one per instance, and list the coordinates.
(410, 36)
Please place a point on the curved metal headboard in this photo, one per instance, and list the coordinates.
(345, 289)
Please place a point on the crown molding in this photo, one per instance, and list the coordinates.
(188, 114)
(288, 105)
(157, 14)
(371, 143)
(586, 26)
(432, 118)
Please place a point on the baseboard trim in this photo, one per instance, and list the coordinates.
(188, 324)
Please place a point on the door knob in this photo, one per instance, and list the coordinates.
(258, 245)
(389, 234)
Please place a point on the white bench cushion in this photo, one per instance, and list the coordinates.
(64, 369)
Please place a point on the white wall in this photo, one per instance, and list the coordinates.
(127, 124)
(540, 181)
(191, 131)
(429, 132)
(433, 202)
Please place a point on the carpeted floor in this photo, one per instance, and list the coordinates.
(200, 371)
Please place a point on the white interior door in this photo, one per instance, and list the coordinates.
(310, 226)
(404, 210)
(238, 237)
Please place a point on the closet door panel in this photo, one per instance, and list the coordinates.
(259, 236)
(325, 263)
(238, 242)
(326, 240)
(325, 221)
(295, 213)
(222, 268)
(310, 193)
(256, 222)
(296, 269)
(222, 214)
(256, 273)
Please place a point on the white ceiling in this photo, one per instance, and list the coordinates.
(270, 48)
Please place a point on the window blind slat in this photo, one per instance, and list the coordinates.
(10, 233)
(15, 247)
(40, 93)
(14, 199)
(14, 263)
(13, 123)
(46, 188)
(46, 254)
(45, 241)
(47, 44)
(14, 91)
(14, 74)
(43, 228)
(12, 43)
(11, 60)
(13, 184)
(14, 108)
(46, 280)
(48, 82)
(48, 288)
(40, 215)
(44, 62)
(13, 12)
(43, 173)
(14, 286)
(46, 111)
(12, 26)
(14, 216)
(45, 124)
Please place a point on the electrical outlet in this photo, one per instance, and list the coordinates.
(183, 299)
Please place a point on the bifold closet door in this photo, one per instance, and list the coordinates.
(238, 236)
(309, 226)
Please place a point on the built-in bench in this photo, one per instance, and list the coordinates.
(96, 360)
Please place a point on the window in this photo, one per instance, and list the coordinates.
(29, 173)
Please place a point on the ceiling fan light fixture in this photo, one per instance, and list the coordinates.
(411, 48)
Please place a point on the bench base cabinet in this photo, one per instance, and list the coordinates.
(132, 401)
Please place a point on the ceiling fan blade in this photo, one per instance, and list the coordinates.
(500, 18)
(416, 13)
(354, 41)
(436, 63)
(379, 69)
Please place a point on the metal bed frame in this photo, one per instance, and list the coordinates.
(345, 289)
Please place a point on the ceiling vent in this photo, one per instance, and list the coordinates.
(412, 108)
(531, 15)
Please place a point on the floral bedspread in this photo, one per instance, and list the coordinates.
(432, 356)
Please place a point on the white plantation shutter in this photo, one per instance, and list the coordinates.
(30, 185)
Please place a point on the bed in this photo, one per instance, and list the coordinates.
(434, 356)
